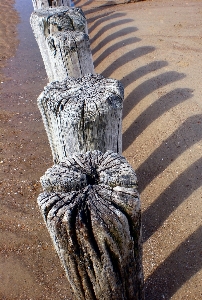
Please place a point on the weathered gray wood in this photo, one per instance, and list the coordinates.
(91, 207)
(70, 54)
(113, 2)
(45, 22)
(40, 4)
(82, 114)
(61, 3)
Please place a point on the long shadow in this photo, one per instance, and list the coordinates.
(179, 267)
(113, 36)
(142, 71)
(86, 3)
(147, 87)
(109, 26)
(76, 2)
(186, 183)
(100, 16)
(125, 58)
(103, 18)
(158, 108)
(189, 133)
(114, 47)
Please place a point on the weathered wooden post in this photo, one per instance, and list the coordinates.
(45, 22)
(92, 210)
(70, 54)
(61, 3)
(82, 114)
(38, 4)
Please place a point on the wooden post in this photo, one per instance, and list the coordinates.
(61, 3)
(70, 54)
(40, 4)
(82, 114)
(92, 210)
(45, 22)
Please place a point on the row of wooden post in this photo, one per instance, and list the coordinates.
(90, 202)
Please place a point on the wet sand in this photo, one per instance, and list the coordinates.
(154, 48)
(8, 33)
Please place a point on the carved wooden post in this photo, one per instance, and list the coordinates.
(82, 114)
(92, 210)
(45, 22)
(70, 54)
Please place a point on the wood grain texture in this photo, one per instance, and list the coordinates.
(45, 22)
(40, 4)
(70, 54)
(82, 114)
(91, 207)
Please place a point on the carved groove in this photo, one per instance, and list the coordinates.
(95, 225)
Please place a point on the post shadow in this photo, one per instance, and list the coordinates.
(148, 87)
(154, 111)
(112, 37)
(168, 201)
(126, 58)
(142, 71)
(189, 133)
(113, 48)
(183, 263)
(102, 18)
(109, 26)
(92, 19)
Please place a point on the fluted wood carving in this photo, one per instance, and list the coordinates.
(82, 114)
(92, 210)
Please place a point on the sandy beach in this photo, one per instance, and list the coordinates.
(8, 33)
(154, 49)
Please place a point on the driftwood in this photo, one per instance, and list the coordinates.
(82, 114)
(38, 4)
(70, 54)
(45, 22)
(92, 210)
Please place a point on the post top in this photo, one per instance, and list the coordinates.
(89, 88)
(89, 169)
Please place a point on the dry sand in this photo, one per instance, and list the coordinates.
(154, 48)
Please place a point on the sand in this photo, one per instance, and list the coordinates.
(154, 48)
(8, 33)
